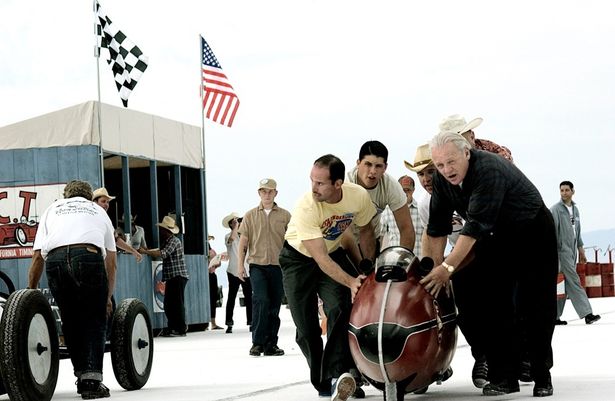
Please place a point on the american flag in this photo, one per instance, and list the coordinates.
(220, 103)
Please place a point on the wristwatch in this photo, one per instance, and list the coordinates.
(448, 267)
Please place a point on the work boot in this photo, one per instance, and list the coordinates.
(589, 319)
(273, 350)
(256, 350)
(501, 387)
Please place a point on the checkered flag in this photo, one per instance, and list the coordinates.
(126, 60)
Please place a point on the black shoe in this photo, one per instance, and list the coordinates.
(91, 389)
(479, 372)
(176, 333)
(79, 386)
(273, 351)
(543, 388)
(560, 322)
(445, 375)
(502, 387)
(229, 330)
(589, 319)
(358, 393)
(421, 390)
(525, 374)
(256, 350)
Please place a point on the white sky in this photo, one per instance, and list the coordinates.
(318, 77)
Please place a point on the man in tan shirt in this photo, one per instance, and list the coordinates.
(262, 236)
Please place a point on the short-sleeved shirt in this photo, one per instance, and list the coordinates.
(495, 195)
(265, 234)
(312, 219)
(173, 260)
(232, 250)
(74, 221)
(388, 192)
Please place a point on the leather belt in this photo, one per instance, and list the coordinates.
(90, 247)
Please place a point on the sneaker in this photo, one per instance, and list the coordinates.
(589, 319)
(343, 387)
(256, 350)
(273, 351)
(543, 388)
(92, 389)
(560, 322)
(501, 388)
(229, 330)
(479, 372)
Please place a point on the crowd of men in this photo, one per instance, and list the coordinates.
(477, 200)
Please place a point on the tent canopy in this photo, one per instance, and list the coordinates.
(124, 132)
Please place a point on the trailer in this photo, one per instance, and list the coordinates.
(154, 167)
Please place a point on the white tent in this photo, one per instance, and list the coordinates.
(125, 132)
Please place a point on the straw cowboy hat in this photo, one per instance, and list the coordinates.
(226, 221)
(102, 192)
(422, 159)
(456, 123)
(168, 223)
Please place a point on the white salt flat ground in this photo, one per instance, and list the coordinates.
(215, 366)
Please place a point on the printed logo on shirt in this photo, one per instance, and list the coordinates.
(335, 225)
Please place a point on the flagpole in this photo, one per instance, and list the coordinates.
(97, 55)
(203, 174)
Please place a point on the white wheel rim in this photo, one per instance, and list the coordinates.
(38, 336)
(140, 351)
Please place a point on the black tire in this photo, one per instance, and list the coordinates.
(28, 347)
(132, 344)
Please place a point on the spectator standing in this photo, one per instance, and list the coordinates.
(233, 221)
(261, 235)
(75, 242)
(569, 242)
(215, 261)
(315, 265)
(174, 275)
(137, 233)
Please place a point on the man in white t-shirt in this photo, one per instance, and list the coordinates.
(315, 265)
(384, 190)
(75, 243)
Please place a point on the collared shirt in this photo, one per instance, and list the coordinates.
(390, 233)
(568, 234)
(495, 195)
(74, 221)
(265, 234)
(173, 261)
(492, 147)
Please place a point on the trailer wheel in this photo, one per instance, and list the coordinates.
(28, 347)
(6, 283)
(132, 344)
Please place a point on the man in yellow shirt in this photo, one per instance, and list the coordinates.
(314, 264)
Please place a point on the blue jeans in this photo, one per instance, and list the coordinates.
(78, 281)
(267, 293)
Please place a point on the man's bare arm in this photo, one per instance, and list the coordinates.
(36, 269)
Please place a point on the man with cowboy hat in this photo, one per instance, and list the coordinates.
(102, 198)
(174, 274)
(456, 123)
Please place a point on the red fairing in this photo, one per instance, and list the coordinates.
(418, 332)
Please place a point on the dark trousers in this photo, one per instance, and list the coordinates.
(213, 294)
(267, 293)
(174, 307)
(233, 287)
(78, 281)
(304, 281)
(518, 267)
